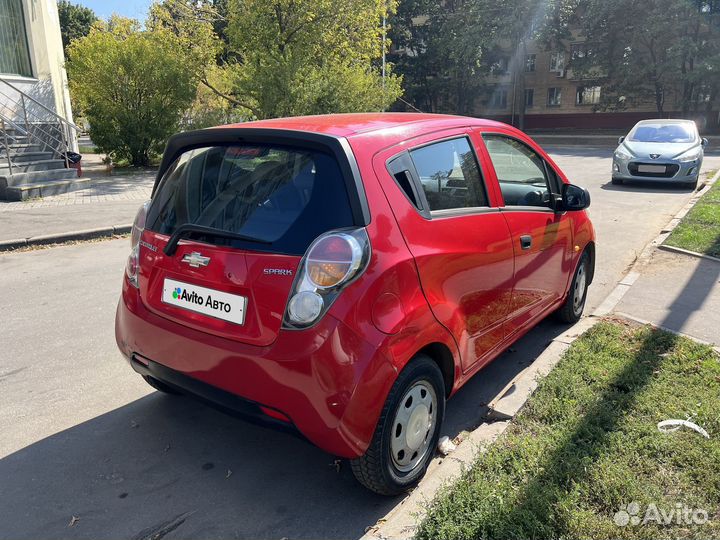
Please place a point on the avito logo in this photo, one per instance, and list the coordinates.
(193, 297)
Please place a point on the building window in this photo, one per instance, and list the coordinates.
(588, 95)
(579, 51)
(557, 61)
(500, 66)
(529, 97)
(498, 100)
(14, 52)
(554, 97)
(530, 62)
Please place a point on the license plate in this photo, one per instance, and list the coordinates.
(218, 304)
(651, 168)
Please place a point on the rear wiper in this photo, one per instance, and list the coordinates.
(189, 228)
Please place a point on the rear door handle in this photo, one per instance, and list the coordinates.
(526, 241)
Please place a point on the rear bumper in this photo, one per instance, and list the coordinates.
(328, 381)
(225, 401)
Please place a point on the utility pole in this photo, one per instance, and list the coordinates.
(384, 32)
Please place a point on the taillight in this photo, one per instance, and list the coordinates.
(332, 261)
(132, 268)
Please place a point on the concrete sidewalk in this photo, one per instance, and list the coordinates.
(110, 203)
(677, 292)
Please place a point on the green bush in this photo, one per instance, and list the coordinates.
(133, 86)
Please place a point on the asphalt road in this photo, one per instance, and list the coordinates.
(88, 450)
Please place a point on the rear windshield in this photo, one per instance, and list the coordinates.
(664, 133)
(284, 197)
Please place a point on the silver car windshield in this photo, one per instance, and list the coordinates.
(663, 133)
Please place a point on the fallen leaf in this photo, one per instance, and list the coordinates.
(229, 474)
(73, 521)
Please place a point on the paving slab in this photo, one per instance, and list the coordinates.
(677, 292)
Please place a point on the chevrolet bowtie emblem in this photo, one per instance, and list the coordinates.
(196, 260)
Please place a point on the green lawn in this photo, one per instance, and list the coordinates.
(699, 230)
(587, 443)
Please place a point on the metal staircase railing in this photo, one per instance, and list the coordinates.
(34, 123)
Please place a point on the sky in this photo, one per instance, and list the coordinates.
(137, 9)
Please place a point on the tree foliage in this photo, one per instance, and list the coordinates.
(662, 51)
(134, 86)
(288, 57)
(309, 56)
(450, 52)
(75, 21)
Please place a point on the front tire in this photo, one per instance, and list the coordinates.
(407, 431)
(691, 185)
(572, 309)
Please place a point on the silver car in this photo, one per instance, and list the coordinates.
(660, 151)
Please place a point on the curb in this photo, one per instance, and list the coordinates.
(666, 329)
(682, 251)
(675, 221)
(61, 238)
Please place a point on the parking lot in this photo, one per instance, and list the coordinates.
(88, 450)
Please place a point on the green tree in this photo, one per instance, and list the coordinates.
(75, 21)
(453, 54)
(134, 86)
(664, 52)
(309, 56)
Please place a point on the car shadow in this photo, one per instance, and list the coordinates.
(170, 465)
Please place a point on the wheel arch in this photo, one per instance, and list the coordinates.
(443, 357)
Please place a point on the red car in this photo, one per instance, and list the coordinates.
(342, 276)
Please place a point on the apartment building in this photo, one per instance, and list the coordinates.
(553, 96)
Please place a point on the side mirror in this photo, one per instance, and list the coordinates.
(705, 142)
(574, 198)
(621, 139)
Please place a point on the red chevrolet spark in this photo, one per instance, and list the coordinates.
(343, 275)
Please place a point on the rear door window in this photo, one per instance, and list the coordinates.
(285, 197)
(449, 175)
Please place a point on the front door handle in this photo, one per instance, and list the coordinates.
(526, 241)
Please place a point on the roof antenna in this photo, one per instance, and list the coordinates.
(413, 107)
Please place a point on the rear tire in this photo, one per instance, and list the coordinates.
(407, 431)
(617, 181)
(160, 386)
(572, 308)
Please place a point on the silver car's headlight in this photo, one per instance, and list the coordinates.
(623, 154)
(691, 155)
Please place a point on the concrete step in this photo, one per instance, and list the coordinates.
(23, 157)
(27, 166)
(21, 148)
(32, 177)
(24, 192)
(14, 139)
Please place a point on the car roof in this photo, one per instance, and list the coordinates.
(349, 124)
